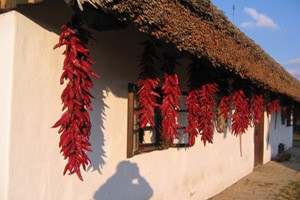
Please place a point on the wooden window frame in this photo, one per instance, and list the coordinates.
(135, 146)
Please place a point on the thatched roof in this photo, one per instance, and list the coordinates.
(199, 28)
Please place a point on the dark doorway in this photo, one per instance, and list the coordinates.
(259, 142)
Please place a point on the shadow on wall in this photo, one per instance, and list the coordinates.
(43, 15)
(126, 183)
(277, 132)
(97, 133)
(51, 15)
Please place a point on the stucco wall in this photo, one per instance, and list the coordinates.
(276, 133)
(7, 35)
(36, 166)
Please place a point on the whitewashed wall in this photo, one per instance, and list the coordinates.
(7, 33)
(35, 165)
(276, 133)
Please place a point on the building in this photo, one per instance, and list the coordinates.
(31, 167)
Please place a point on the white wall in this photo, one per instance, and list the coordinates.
(34, 106)
(7, 36)
(36, 166)
(276, 133)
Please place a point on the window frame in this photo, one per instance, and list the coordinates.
(134, 144)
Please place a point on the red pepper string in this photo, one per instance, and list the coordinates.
(170, 102)
(200, 101)
(201, 106)
(206, 111)
(75, 124)
(241, 115)
(257, 107)
(224, 107)
(147, 84)
(193, 104)
(192, 101)
(273, 106)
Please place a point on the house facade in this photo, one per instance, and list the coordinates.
(31, 165)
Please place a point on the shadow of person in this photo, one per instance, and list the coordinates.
(126, 183)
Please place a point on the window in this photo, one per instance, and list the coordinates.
(149, 139)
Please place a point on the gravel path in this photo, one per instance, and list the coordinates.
(273, 180)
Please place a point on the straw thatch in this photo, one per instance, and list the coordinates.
(199, 28)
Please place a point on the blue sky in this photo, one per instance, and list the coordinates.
(273, 24)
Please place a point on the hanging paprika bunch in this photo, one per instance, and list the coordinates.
(75, 124)
(224, 106)
(257, 107)
(273, 106)
(206, 111)
(241, 115)
(224, 98)
(193, 103)
(200, 102)
(170, 102)
(147, 85)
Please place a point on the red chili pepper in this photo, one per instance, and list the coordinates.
(206, 111)
(257, 107)
(75, 123)
(147, 84)
(201, 106)
(200, 101)
(273, 106)
(241, 115)
(171, 95)
(192, 102)
(224, 106)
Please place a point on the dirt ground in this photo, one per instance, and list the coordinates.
(274, 180)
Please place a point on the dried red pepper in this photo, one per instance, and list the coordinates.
(201, 106)
(224, 107)
(273, 106)
(241, 115)
(170, 102)
(75, 124)
(257, 107)
(206, 111)
(193, 103)
(147, 86)
(200, 101)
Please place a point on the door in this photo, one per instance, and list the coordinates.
(259, 142)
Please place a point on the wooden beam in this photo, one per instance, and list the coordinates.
(130, 121)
